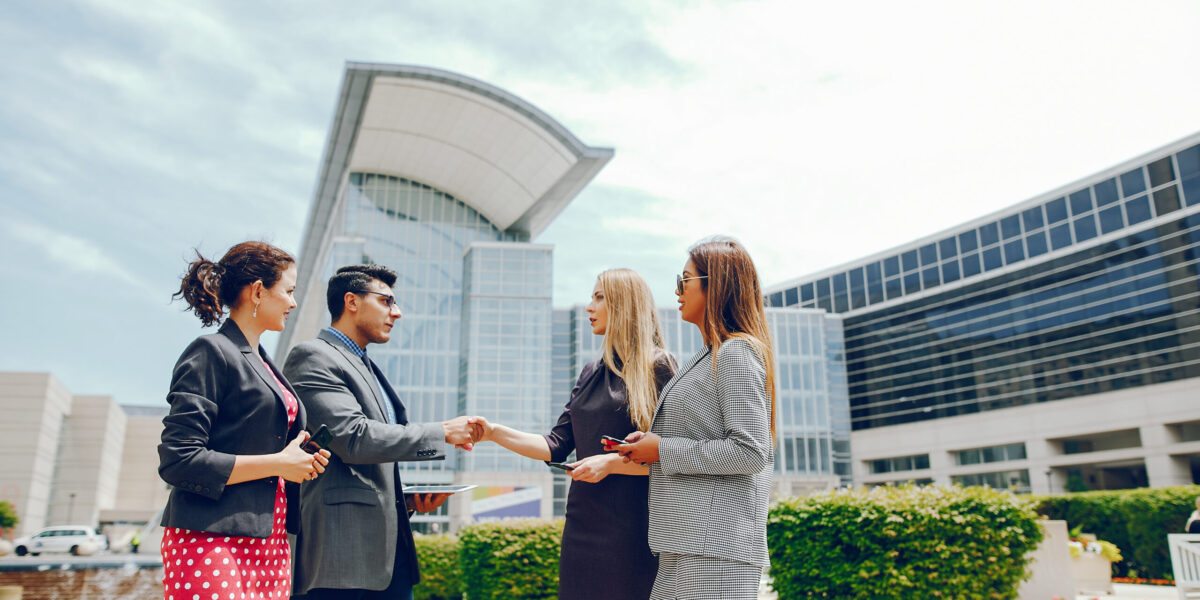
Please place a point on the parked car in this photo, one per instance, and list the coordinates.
(64, 538)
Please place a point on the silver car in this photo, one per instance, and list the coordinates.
(65, 538)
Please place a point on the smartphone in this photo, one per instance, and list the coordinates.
(319, 440)
(558, 465)
(609, 441)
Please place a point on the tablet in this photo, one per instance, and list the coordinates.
(437, 489)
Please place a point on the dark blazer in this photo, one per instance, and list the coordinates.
(352, 527)
(224, 403)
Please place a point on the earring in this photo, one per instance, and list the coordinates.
(255, 311)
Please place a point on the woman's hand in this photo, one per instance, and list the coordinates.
(481, 430)
(594, 468)
(640, 447)
(296, 465)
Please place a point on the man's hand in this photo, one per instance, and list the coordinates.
(459, 432)
(639, 447)
(481, 430)
(425, 502)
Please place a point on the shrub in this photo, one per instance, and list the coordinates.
(516, 558)
(903, 542)
(441, 577)
(1137, 521)
(8, 515)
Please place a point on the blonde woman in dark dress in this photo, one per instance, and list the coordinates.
(605, 554)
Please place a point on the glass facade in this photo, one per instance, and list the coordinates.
(422, 234)
(1076, 294)
(505, 365)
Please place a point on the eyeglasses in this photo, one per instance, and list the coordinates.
(389, 299)
(679, 279)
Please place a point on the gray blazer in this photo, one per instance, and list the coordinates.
(710, 489)
(351, 526)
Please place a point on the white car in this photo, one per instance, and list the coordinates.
(75, 539)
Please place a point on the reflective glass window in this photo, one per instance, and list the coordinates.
(1010, 226)
(1085, 228)
(1137, 210)
(1106, 192)
(912, 283)
(929, 277)
(967, 241)
(806, 292)
(909, 260)
(1166, 200)
(791, 297)
(1189, 161)
(1036, 243)
(950, 271)
(1014, 251)
(891, 266)
(775, 299)
(839, 283)
(1110, 219)
(970, 264)
(1032, 218)
(948, 248)
(1060, 237)
(989, 234)
(875, 291)
(894, 288)
(873, 272)
(1133, 183)
(1056, 210)
(1161, 171)
(928, 255)
(1191, 190)
(992, 259)
(1081, 201)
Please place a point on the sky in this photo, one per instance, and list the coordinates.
(817, 133)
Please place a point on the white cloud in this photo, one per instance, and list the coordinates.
(78, 256)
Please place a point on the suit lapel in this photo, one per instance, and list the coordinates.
(678, 376)
(230, 330)
(359, 366)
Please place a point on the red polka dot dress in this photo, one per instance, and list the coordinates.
(204, 566)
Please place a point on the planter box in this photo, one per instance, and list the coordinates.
(1092, 574)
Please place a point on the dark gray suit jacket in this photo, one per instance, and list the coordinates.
(351, 525)
(223, 403)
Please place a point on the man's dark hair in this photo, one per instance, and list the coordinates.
(354, 278)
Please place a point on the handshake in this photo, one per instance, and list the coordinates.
(464, 432)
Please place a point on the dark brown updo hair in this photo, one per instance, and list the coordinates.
(210, 286)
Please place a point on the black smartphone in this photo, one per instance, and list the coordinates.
(613, 440)
(319, 440)
(558, 465)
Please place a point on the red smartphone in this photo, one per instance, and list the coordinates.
(609, 441)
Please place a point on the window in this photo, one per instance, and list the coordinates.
(990, 454)
(899, 464)
(1017, 481)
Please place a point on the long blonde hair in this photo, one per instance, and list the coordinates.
(734, 303)
(633, 340)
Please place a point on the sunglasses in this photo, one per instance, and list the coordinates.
(389, 299)
(679, 279)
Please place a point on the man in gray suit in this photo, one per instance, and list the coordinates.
(355, 542)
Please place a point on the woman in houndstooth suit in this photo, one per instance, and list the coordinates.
(710, 447)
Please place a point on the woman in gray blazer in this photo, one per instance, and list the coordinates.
(710, 448)
(233, 435)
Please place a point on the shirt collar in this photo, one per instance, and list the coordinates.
(349, 343)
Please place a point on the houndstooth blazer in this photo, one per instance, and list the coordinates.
(710, 489)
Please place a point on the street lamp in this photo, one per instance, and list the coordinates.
(1049, 486)
(71, 508)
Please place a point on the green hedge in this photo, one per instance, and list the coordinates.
(1137, 521)
(515, 558)
(441, 577)
(902, 542)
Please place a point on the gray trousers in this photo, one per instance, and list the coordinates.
(692, 577)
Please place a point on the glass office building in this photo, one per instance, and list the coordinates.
(1086, 294)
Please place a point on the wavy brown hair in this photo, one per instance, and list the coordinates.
(734, 303)
(208, 287)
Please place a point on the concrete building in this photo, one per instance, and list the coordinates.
(1051, 346)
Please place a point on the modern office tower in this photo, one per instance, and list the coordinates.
(1052, 345)
(812, 409)
(422, 166)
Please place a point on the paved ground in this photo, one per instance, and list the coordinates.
(1121, 591)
